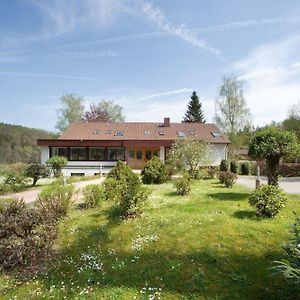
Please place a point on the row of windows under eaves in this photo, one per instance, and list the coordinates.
(89, 153)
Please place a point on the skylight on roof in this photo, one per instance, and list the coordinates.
(108, 131)
(161, 133)
(119, 133)
(181, 134)
(216, 134)
(97, 131)
(146, 132)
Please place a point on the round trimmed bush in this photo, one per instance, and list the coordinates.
(154, 172)
(224, 165)
(227, 178)
(245, 168)
(234, 167)
(268, 200)
(183, 185)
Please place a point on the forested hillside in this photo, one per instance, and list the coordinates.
(18, 143)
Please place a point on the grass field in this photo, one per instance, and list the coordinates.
(208, 245)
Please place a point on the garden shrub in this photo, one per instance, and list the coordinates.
(268, 200)
(195, 174)
(16, 181)
(204, 173)
(25, 234)
(234, 167)
(154, 171)
(213, 171)
(125, 188)
(56, 163)
(289, 169)
(183, 185)
(245, 168)
(4, 189)
(170, 167)
(227, 178)
(93, 194)
(290, 267)
(224, 165)
(36, 171)
(55, 200)
(111, 189)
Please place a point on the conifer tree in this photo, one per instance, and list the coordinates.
(194, 113)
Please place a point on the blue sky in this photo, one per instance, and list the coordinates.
(147, 56)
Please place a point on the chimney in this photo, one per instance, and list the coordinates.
(166, 122)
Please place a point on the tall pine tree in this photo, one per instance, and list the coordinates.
(194, 113)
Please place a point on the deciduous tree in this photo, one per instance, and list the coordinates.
(190, 155)
(105, 111)
(271, 144)
(71, 111)
(232, 113)
(36, 171)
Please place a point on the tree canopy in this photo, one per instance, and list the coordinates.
(105, 111)
(19, 144)
(72, 110)
(190, 155)
(271, 144)
(232, 113)
(194, 113)
(292, 122)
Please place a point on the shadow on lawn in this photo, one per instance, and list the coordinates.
(229, 196)
(191, 275)
(247, 214)
(171, 194)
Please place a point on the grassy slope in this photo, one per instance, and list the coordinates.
(208, 245)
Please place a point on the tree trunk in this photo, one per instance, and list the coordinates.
(272, 169)
(34, 181)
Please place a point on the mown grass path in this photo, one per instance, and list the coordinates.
(207, 245)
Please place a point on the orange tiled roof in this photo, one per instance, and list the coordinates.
(143, 131)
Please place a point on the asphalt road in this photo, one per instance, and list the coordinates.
(31, 195)
(290, 185)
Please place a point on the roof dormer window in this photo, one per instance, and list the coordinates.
(216, 134)
(119, 133)
(181, 134)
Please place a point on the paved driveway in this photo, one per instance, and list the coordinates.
(30, 195)
(290, 185)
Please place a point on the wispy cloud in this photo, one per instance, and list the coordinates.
(65, 16)
(214, 28)
(272, 75)
(49, 75)
(249, 23)
(86, 54)
(124, 38)
(155, 14)
(11, 58)
(167, 93)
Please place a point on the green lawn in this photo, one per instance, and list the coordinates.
(208, 245)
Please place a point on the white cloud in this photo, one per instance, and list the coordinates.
(272, 75)
(156, 15)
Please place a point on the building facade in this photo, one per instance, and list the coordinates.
(94, 147)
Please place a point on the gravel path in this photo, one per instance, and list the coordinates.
(30, 195)
(290, 185)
